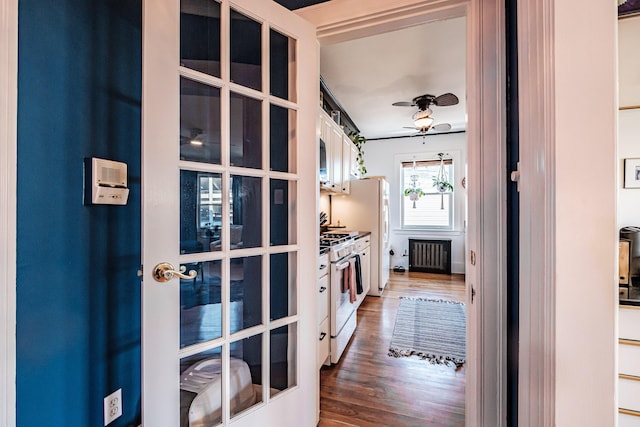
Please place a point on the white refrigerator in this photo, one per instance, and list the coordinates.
(366, 208)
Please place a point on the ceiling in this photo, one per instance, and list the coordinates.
(367, 75)
(297, 4)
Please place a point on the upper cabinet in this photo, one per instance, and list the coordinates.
(346, 163)
(326, 153)
(338, 154)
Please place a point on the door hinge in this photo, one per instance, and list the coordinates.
(515, 176)
(473, 294)
(140, 272)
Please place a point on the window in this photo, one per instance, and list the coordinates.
(429, 208)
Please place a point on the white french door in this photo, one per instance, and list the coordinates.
(230, 94)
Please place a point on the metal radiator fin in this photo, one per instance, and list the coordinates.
(430, 256)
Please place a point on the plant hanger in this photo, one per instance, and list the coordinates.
(441, 181)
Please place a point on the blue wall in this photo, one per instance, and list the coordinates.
(78, 296)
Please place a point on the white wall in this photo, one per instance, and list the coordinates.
(628, 147)
(629, 61)
(584, 70)
(383, 157)
(628, 120)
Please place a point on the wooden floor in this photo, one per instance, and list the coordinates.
(369, 388)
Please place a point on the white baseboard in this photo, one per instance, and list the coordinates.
(456, 267)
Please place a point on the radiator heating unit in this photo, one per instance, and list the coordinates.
(430, 256)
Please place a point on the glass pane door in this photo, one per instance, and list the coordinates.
(229, 221)
(238, 196)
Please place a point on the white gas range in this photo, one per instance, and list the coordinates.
(341, 248)
(338, 245)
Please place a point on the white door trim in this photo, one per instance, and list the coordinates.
(536, 95)
(341, 20)
(8, 174)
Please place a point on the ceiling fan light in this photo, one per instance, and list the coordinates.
(422, 113)
(423, 122)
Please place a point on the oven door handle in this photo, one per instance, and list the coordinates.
(342, 266)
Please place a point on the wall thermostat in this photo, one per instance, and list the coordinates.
(105, 182)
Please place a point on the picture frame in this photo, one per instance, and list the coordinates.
(628, 8)
(631, 173)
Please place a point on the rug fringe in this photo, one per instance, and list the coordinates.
(448, 301)
(432, 358)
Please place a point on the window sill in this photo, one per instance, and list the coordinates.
(435, 231)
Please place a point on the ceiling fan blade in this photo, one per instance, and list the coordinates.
(403, 104)
(445, 100)
(441, 127)
(409, 127)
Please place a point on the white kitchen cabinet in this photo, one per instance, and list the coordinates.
(323, 298)
(336, 145)
(355, 167)
(629, 322)
(628, 419)
(363, 248)
(326, 129)
(629, 366)
(346, 162)
(340, 160)
(322, 309)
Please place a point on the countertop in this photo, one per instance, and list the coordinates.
(362, 234)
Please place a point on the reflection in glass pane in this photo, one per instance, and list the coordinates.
(283, 297)
(282, 139)
(246, 212)
(201, 389)
(200, 312)
(246, 132)
(282, 212)
(200, 211)
(283, 358)
(245, 292)
(246, 51)
(279, 53)
(200, 36)
(246, 373)
(199, 122)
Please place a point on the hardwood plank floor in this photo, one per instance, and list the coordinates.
(369, 388)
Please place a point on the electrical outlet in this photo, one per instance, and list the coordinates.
(112, 406)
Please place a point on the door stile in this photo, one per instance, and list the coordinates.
(160, 91)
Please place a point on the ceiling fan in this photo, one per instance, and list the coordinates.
(422, 119)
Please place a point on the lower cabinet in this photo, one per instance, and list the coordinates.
(363, 248)
(629, 367)
(323, 337)
(322, 309)
(628, 418)
(322, 317)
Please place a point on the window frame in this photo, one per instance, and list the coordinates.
(454, 204)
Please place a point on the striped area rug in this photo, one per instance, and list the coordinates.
(433, 329)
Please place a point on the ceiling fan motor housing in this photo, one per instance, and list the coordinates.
(423, 101)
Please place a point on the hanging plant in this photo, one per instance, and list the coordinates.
(442, 186)
(359, 141)
(414, 193)
(440, 182)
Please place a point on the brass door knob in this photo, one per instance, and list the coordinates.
(164, 272)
